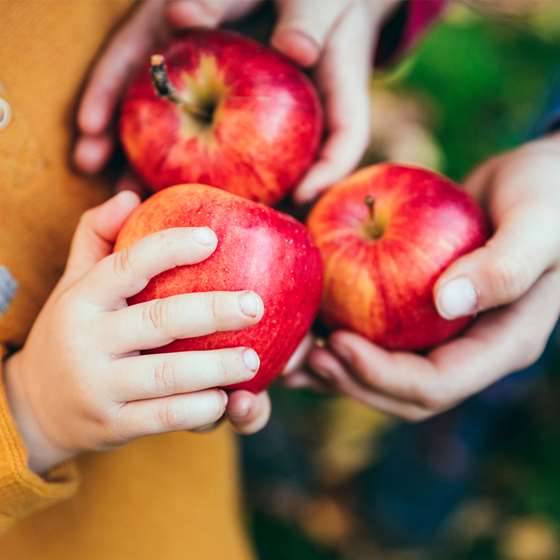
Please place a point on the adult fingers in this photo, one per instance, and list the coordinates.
(498, 343)
(524, 246)
(93, 152)
(303, 27)
(206, 13)
(333, 371)
(298, 357)
(342, 76)
(125, 53)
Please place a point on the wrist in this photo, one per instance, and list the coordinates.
(41, 454)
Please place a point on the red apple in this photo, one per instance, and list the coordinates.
(259, 249)
(385, 235)
(230, 112)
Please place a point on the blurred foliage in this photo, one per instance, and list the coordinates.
(473, 87)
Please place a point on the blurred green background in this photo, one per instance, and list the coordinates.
(474, 86)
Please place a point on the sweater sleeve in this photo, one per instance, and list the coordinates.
(21, 491)
(409, 22)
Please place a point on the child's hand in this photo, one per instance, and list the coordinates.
(80, 382)
(337, 37)
(516, 275)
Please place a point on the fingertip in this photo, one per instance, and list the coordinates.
(127, 200)
(92, 153)
(248, 412)
(112, 214)
(189, 13)
(92, 117)
(251, 305)
(297, 45)
(239, 406)
(456, 298)
(306, 193)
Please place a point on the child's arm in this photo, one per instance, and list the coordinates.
(516, 276)
(80, 382)
(337, 38)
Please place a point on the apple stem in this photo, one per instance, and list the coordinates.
(369, 201)
(372, 229)
(164, 88)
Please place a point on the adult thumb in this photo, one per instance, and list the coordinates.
(502, 271)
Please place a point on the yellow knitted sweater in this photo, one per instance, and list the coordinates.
(170, 497)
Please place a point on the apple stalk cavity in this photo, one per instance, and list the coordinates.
(218, 108)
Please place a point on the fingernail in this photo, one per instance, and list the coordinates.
(205, 236)
(456, 298)
(251, 359)
(250, 304)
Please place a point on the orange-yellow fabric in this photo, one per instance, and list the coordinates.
(173, 496)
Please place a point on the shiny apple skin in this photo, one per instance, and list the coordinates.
(259, 249)
(383, 289)
(266, 130)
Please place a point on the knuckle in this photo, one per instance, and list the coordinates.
(164, 381)
(122, 261)
(506, 278)
(155, 314)
(114, 434)
(169, 417)
(222, 364)
(217, 313)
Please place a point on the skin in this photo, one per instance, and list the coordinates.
(516, 281)
(335, 39)
(80, 382)
(254, 240)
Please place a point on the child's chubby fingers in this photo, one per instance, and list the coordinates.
(160, 321)
(170, 414)
(128, 271)
(247, 412)
(159, 375)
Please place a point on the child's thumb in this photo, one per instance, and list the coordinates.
(97, 231)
